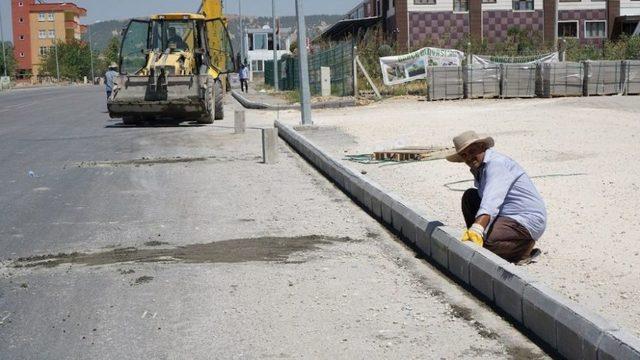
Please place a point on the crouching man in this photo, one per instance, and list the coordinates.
(504, 213)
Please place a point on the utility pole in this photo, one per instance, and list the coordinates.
(305, 93)
(91, 56)
(55, 44)
(241, 32)
(4, 53)
(275, 47)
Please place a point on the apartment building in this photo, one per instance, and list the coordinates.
(415, 22)
(259, 47)
(37, 25)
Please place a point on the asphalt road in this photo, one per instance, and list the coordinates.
(175, 242)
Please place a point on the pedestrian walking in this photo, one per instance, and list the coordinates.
(244, 78)
(504, 212)
(109, 78)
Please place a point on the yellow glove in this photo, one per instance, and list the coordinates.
(474, 234)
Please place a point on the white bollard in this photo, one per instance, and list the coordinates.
(239, 122)
(325, 80)
(269, 143)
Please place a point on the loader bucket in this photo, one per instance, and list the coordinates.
(179, 97)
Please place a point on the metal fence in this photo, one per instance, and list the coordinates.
(338, 58)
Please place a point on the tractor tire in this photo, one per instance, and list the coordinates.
(209, 98)
(219, 98)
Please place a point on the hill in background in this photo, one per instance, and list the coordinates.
(102, 32)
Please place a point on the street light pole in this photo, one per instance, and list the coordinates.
(305, 93)
(275, 47)
(4, 53)
(55, 44)
(241, 32)
(91, 55)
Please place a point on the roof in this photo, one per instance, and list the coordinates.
(346, 27)
(66, 6)
(178, 16)
(267, 31)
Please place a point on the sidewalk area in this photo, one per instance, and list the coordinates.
(580, 153)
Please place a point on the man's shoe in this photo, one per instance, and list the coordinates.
(531, 259)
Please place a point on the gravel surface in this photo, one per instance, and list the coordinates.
(580, 153)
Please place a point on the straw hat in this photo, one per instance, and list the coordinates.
(466, 139)
(113, 65)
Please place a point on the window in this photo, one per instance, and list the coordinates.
(21, 54)
(42, 34)
(43, 50)
(21, 37)
(21, 20)
(424, 2)
(260, 42)
(522, 5)
(50, 16)
(488, 1)
(257, 66)
(41, 17)
(568, 29)
(20, 3)
(460, 5)
(52, 34)
(595, 29)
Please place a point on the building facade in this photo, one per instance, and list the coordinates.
(413, 23)
(37, 26)
(259, 43)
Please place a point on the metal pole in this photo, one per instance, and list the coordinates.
(275, 47)
(4, 53)
(241, 32)
(305, 93)
(55, 44)
(91, 55)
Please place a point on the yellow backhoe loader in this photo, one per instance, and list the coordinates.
(173, 66)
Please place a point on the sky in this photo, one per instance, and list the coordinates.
(100, 10)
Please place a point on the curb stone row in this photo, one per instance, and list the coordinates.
(254, 105)
(563, 325)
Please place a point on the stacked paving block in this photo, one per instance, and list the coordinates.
(561, 79)
(481, 81)
(518, 80)
(603, 77)
(631, 71)
(445, 82)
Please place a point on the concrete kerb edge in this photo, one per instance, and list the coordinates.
(264, 106)
(510, 289)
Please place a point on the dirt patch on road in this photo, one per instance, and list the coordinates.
(271, 249)
(146, 161)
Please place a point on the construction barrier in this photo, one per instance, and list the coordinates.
(481, 81)
(561, 79)
(602, 78)
(631, 71)
(445, 83)
(518, 80)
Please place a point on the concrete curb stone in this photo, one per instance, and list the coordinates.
(254, 105)
(563, 325)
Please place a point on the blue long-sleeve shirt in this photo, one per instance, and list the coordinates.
(110, 77)
(506, 190)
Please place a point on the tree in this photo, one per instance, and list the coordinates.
(73, 58)
(109, 54)
(11, 60)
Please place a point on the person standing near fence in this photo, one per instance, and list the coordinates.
(244, 78)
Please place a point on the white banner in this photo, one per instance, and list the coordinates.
(409, 67)
(490, 60)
